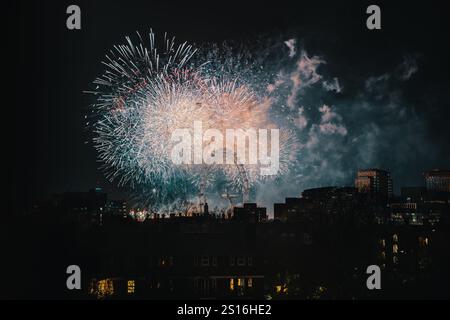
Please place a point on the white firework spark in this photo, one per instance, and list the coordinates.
(146, 93)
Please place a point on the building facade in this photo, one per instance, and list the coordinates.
(437, 180)
(374, 181)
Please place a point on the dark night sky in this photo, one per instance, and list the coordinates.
(54, 65)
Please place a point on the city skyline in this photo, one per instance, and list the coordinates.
(291, 150)
(217, 207)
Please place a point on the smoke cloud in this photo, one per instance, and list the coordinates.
(372, 126)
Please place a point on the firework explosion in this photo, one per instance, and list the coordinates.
(147, 91)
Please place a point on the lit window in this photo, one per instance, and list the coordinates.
(395, 238)
(240, 282)
(131, 286)
(231, 284)
(250, 282)
(395, 248)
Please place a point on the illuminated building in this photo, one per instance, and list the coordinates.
(406, 213)
(130, 286)
(374, 181)
(102, 288)
(438, 180)
(413, 194)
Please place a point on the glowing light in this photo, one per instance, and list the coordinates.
(102, 288)
(149, 90)
(130, 286)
